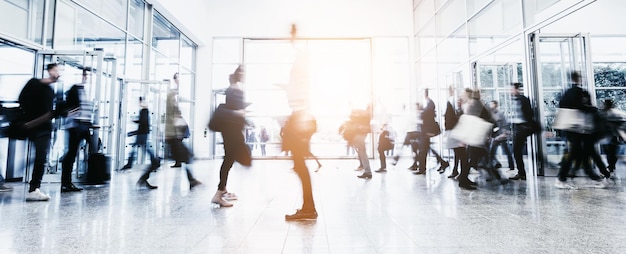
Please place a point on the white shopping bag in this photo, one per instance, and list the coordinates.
(472, 130)
(573, 120)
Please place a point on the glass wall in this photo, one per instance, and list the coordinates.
(22, 19)
(144, 44)
(486, 44)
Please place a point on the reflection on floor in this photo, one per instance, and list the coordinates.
(395, 212)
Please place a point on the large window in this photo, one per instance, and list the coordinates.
(16, 68)
(22, 18)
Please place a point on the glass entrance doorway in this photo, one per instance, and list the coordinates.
(154, 95)
(552, 58)
(101, 87)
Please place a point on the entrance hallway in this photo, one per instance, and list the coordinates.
(396, 212)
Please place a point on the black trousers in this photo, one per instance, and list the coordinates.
(577, 152)
(75, 137)
(234, 144)
(519, 143)
(41, 141)
(611, 153)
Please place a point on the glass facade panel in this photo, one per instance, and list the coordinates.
(186, 83)
(426, 39)
(187, 53)
(22, 18)
(535, 11)
(475, 5)
(165, 37)
(161, 66)
(112, 10)
(424, 12)
(50, 20)
(136, 18)
(134, 59)
(450, 17)
(500, 20)
(16, 68)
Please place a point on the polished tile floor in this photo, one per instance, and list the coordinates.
(396, 212)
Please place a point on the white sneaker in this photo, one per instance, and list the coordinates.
(598, 184)
(37, 195)
(565, 185)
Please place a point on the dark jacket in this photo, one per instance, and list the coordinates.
(572, 98)
(428, 118)
(143, 121)
(451, 117)
(36, 99)
(72, 98)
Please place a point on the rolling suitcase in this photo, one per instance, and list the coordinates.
(98, 168)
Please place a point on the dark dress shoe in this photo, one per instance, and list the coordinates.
(443, 167)
(467, 186)
(177, 165)
(518, 177)
(126, 167)
(413, 168)
(70, 188)
(366, 176)
(143, 184)
(454, 174)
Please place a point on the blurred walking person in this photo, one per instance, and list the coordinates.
(36, 100)
(299, 128)
(235, 148)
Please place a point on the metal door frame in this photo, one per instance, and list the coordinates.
(538, 144)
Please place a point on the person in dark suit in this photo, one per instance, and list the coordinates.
(141, 141)
(384, 144)
(428, 129)
(36, 100)
(523, 126)
(451, 118)
(573, 99)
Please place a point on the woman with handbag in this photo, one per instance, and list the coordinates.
(232, 121)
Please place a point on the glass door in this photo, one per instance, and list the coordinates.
(154, 94)
(552, 58)
(494, 81)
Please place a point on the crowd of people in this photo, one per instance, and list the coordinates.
(473, 130)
